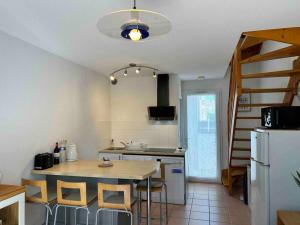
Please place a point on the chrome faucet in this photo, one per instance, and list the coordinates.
(123, 143)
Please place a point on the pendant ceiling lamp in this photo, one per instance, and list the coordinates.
(134, 24)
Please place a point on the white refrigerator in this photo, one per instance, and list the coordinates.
(275, 155)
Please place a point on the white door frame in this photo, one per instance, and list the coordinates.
(183, 126)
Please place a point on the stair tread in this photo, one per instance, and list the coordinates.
(239, 166)
(241, 149)
(266, 90)
(248, 117)
(262, 104)
(244, 128)
(242, 139)
(240, 157)
(282, 73)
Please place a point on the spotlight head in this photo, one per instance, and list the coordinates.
(154, 74)
(138, 70)
(114, 82)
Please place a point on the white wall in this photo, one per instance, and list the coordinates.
(220, 86)
(44, 98)
(129, 101)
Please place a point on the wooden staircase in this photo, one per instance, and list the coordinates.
(248, 51)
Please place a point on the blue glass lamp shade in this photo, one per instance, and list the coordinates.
(140, 30)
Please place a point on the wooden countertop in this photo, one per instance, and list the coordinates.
(8, 191)
(288, 218)
(137, 170)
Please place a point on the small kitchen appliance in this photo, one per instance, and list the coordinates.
(43, 161)
(286, 117)
(72, 154)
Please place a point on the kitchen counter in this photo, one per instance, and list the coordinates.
(8, 191)
(137, 170)
(148, 151)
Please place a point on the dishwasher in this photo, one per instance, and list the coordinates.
(175, 177)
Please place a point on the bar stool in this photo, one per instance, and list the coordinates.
(115, 202)
(157, 186)
(73, 199)
(44, 196)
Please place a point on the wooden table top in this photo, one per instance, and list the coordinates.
(121, 169)
(289, 217)
(8, 191)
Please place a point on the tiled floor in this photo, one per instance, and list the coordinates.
(208, 204)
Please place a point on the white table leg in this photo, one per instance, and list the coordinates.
(21, 209)
(20, 199)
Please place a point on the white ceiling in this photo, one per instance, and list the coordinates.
(201, 42)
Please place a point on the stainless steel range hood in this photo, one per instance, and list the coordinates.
(163, 111)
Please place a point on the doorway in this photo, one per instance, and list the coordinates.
(201, 135)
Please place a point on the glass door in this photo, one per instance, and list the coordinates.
(202, 141)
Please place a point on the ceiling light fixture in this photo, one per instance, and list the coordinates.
(154, 74)
(113, 79)
(127, 69)
(134, 24)
(138, 70)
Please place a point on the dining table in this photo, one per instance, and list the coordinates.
(121, 169)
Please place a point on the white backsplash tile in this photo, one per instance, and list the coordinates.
(156, 135)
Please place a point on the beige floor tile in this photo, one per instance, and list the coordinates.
(207, 204)
(240, 220)
(178, 221)
(180, 214)
(218, 203)
(200, 208)
(180, 207)
(201, 196)
(199, 216)
(219, 217)
(220, 210)
(219, 223)
(200, 202)
(199, 222)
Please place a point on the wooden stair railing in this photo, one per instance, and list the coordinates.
(248, 51)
